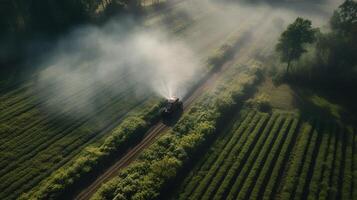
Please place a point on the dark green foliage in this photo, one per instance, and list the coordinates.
(344, 19)
(330, 64)
(51, 15)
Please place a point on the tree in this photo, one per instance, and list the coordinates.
(341, 42)
(344, 19)
(292, 40)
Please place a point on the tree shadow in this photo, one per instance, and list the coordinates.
(314, 103)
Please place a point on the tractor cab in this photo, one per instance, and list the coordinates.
(172, 105)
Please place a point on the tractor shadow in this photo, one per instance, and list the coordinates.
(171, 120)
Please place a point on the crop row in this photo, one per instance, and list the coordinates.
(61, 145)
(61, 150)
(52, 151)
(33, 143)
(36, 117)
(319, 166)
(57, 128)
(346, 181)
(271, 136)
(296, 161)
(223, 189)
(354, 168)
(233, 147)
(308, 160)
(119, 139)
(36, 95)
(235, 163)
(314, 160)
(328, 166)
(236, 156)
(54, 119)
(334, 191)
(197, 175)
(276, 172)
(266, 168)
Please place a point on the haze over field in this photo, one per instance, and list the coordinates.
(147, 59)
(151, 57)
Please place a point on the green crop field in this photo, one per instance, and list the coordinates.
(275, 156)
(35, 142)
(178, 100)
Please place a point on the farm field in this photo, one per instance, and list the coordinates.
(36, 141)
(275, 156)
(181, 100)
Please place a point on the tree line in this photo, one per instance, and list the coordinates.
(28, 27)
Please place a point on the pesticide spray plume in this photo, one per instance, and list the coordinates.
(127, 55)
(146, 60)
